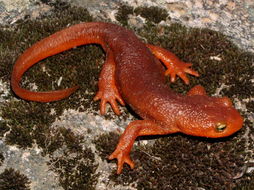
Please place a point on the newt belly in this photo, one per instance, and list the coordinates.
(133, 75)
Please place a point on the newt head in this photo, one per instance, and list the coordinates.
(211, 117)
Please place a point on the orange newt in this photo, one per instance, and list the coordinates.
(133, 74)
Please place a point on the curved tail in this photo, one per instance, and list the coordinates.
(65, 39)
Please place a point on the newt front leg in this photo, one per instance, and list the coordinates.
(108, 92)
(174, 65)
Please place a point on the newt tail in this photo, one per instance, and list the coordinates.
(54, 44)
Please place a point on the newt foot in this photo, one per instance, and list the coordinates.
(122, 157)
(180, 69)
(111, 96)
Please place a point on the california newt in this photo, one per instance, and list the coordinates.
(133, 74)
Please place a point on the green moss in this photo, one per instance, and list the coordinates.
(123, 14)
(19, 136)
(250, 106)
(48, 139)
(75, 173)
(249, 123)
(152, 14)
(3, 128)
(1, 158)
(13, 180)
(22, 117)
(105, 144)
(201, 163)
(76, 165)
(46, 1)
(247, 183)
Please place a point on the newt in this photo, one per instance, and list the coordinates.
(133, 74)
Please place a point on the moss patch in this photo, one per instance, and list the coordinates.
(123, 14)
(1, 158)
(22, 117)
(11, 179)
(247, 183)
(151, 14)
(105, 144)
(178, 161)
(250, 106)
(3, 128)
(76, 165)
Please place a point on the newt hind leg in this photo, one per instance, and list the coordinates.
(108, 92)
(133, 130)
(174, 65)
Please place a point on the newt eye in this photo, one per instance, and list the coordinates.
(220, 127)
